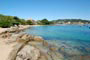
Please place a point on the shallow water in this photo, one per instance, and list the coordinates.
(73, 40)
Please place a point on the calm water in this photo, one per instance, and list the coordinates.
(75, 39)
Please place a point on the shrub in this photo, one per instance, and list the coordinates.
(6, 21)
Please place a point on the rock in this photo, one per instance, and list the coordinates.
(30, 37)
(21, 38)
(45, 43)
(34, 48)
(13, 29)
(38, 39)
(53, 48)
(6, 35)
(55, 56)
(28, 53)
(25, 37)
(43, 56)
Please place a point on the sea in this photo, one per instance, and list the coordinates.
(74, 39)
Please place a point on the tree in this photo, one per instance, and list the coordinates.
(45, 22)
(17, 19)
(23, 22)
(20, 21)
(6, 21)
(29, 22)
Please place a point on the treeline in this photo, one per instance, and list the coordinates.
(8, 21)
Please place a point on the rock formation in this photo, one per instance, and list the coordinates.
(34, 48)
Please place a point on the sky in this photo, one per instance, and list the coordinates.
(50, 9)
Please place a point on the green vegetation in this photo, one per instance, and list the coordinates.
(43, 22)
(20, 21)
(29, 22)
(8, 21)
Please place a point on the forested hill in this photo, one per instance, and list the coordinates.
(71, 21)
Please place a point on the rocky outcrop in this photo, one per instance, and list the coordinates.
(38, 39)
(28, 53)
(34, 48)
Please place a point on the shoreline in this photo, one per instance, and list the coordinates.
(14, 29)
(12, 46)
(17, 46)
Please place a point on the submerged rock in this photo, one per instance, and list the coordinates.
(53, 48)
(45, 43)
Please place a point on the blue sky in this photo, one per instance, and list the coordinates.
(50, 9)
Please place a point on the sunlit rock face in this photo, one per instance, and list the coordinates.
(37, 51)
(38, 39)
(34, 48)
(28, 53)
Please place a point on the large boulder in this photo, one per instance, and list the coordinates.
(24, 37)
(34, 48)
(28, 53)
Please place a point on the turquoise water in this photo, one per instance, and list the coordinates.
(75, 39)
(62, 32)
